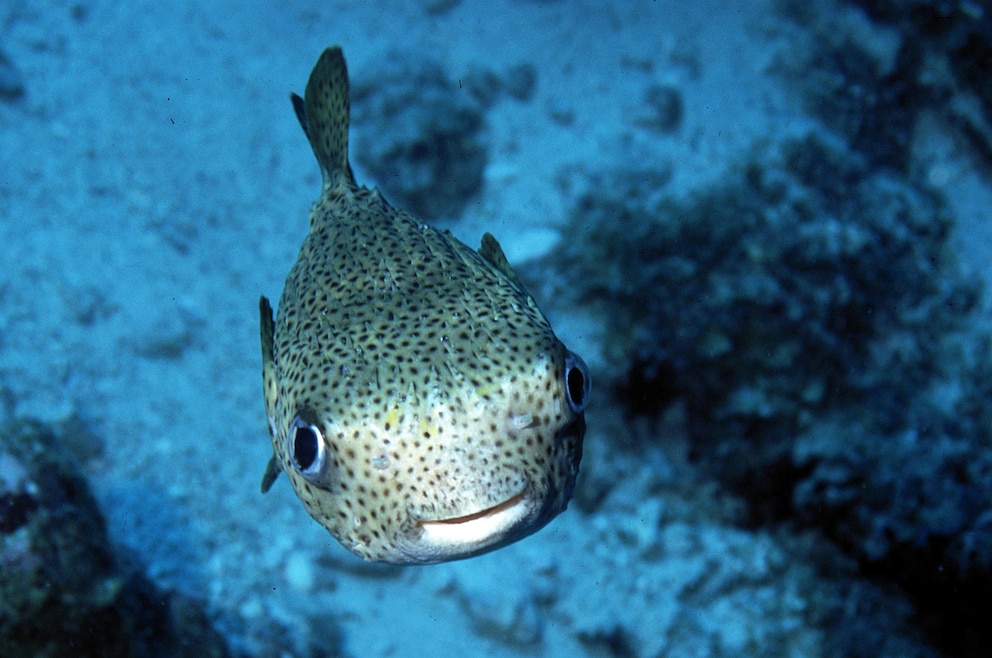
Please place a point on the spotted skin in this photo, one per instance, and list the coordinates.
(419, 402)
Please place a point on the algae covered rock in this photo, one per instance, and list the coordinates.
(920, 56)
(810, 314)
(772, 296)
(62, 589)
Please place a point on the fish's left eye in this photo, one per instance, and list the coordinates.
(307, 444)
(577, 382)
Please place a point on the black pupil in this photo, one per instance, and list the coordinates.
(305, 447)
(576, 386)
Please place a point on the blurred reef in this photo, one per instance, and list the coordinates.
(809, 315)
(953, 39)
(924, 55)
(63, 590)
(419, 136)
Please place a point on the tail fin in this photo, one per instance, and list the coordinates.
(323, 114)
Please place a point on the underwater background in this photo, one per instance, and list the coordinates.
(766, 226)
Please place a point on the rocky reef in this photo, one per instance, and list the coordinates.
(419, 136)
(808, 312)
(945, 55)
(63, 590)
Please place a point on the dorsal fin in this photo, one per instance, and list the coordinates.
(323, 114)
(492, 252)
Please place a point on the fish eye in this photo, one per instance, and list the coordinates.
(307, 447)
(576, 382)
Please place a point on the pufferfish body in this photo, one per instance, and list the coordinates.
(418, 400)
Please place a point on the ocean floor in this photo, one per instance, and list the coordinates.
(154, 182)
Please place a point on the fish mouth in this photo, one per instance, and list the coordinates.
(489, 514)
(463, 536)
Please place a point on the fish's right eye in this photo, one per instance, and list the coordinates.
(307, 447)
(576, 382)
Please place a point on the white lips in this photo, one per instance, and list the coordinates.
(466, 535)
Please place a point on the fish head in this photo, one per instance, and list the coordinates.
(465, 445)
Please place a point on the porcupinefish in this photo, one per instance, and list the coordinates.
(417, 398)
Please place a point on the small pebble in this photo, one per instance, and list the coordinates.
(299, 572)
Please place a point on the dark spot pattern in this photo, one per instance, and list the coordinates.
(419, 357)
